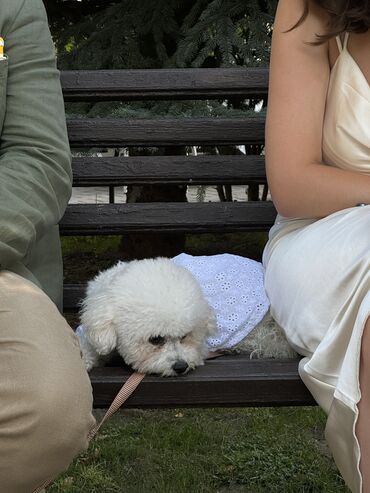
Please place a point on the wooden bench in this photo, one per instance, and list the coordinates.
(232, 380)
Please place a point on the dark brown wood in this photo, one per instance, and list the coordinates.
(194, 83)
(232, 380)
(150, 170)
(116, 132)
(225, 381)
(72, 295)
(211, 217)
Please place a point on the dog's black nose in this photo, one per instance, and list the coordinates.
(180, 366)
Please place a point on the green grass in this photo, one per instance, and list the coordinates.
(86, 255)
(244, 243)
(248, 450)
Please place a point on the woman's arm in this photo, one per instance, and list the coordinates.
(300, 184)
(35, 160)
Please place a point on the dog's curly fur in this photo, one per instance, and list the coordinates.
(154, 314)
(266, 340)
(152, 311)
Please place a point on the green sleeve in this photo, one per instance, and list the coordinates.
(35, 158)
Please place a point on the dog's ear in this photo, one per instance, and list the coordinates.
(96, 316)
(102, 336)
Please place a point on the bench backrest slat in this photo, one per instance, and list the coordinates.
(222, 217)
(117, 132)
(145, 84)
(149, 170)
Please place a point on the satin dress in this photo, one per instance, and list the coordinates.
(317, 273)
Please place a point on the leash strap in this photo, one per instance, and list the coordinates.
(126, 390)
(128, 387)
(215, 354)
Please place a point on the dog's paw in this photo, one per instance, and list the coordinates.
(90, 359)
(89, 364)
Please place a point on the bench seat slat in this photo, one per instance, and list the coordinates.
(190, 170)
(107, 219)
(145, 84)
(231, 380)
(105, 132)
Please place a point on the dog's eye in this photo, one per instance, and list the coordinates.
(184, 337)
(157, 340)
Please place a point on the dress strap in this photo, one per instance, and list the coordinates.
(339, 42)
(346, 36)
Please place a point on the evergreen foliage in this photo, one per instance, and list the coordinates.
(165, 34)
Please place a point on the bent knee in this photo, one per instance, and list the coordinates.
(66, 403)
(42, 433)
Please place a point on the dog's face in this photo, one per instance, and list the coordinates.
(153, 312)
(167, 347)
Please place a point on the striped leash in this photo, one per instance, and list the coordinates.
(126, 390)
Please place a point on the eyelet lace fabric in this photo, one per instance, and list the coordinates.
(234, 287)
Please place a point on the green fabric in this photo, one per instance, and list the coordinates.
(35, 158)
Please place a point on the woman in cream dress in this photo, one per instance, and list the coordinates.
(317, 258)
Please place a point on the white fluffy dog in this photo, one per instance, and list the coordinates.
(152, 311)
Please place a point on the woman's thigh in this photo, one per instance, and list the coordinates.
(45, 391)
(314, 272)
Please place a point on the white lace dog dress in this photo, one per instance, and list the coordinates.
(234, 287)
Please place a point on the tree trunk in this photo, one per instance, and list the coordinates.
(151, 245)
